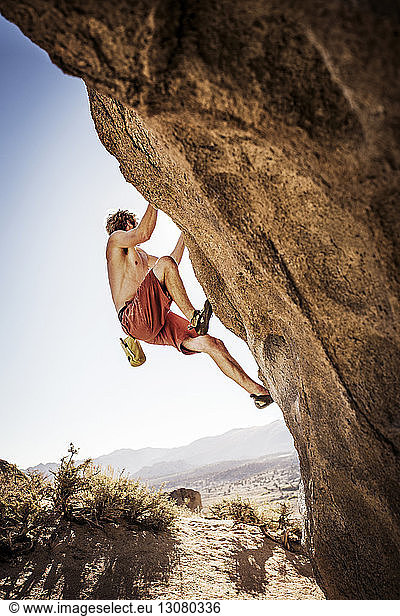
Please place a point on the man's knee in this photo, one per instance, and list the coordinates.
(161, 268)
(212, 345)
(166, 262)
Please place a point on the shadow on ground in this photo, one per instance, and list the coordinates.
(112, 564)
(254, 568)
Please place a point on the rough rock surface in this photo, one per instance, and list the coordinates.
(188, 497)
(269, 132)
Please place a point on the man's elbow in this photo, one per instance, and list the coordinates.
(143, 235)
(176, 257)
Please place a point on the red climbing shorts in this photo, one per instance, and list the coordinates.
(147, 317)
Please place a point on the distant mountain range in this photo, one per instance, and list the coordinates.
(231, 472)
(237, 444)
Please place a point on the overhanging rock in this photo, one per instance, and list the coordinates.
(269, 133)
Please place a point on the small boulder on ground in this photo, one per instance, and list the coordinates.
(188, 497)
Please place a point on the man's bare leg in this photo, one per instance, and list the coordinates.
(166, 270)
(216, 349)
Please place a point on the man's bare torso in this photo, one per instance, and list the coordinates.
(127, 268)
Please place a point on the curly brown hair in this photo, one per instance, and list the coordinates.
(118, 221)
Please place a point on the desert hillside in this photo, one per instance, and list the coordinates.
(201, 559)
(236, 444)
(272, 479)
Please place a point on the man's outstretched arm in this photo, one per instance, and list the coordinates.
(177, 252)
(147, 225)
(142, 233)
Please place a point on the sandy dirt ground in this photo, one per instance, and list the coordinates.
(201, 559)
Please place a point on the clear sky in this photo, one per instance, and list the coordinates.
(64, 376)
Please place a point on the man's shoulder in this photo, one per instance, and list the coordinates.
(124, 239)
(114, 249)
(115, 236)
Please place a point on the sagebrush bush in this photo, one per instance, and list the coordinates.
(30, 505)
(277, 524)
(69, 482)
(279, 517)
(111, 498)
(25, 509)
(83, 492)
(237, 509)
(286, 521)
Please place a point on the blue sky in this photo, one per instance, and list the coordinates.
(63, 375)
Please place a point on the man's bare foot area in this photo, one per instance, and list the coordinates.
(260, 389)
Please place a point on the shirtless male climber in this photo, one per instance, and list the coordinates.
(143, 288)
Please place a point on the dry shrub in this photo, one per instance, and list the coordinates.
(282, 523)
(278, 524)
(237, 509)
(31, 506)
(281, 518)
(25, 509)
(85, 493)
(69, 482)
(113, 498)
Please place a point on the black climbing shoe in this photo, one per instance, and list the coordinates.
(201, 319)
(261, 400)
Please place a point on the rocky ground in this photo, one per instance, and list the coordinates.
(202, 559)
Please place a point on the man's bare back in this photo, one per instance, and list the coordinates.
(127, 264)
(127, 268)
